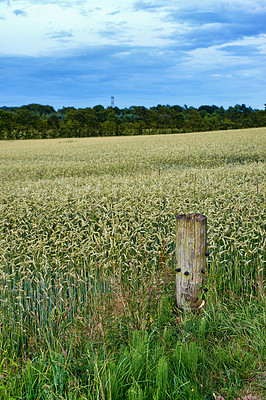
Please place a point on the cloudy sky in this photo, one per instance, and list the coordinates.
(81, 52)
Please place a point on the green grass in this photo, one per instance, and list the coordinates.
(87, 267)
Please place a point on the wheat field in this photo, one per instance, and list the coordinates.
(87, 267)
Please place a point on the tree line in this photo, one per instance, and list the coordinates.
(35, 121)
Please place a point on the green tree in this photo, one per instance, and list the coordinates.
(7, 122)
(53, 122)
(194, 122)
(39, 109)
(109, 128)
(27, 118)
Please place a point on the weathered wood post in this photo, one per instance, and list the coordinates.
(191, 246)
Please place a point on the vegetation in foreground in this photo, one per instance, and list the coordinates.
(87, 267)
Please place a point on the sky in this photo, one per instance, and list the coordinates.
(81, 52)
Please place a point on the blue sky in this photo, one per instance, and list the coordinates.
(80, 53)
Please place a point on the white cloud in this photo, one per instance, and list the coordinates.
(257, 42)
(238, 66)
(104, 23)
(136, 23)
(143, 46)
(212, 58)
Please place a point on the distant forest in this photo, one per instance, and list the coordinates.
(35, 121)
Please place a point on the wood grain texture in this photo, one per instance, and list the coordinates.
(191, 246)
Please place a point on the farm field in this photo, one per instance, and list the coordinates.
(87, 267)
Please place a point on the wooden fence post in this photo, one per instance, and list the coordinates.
(191, 246)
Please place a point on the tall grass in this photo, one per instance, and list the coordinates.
(87, 267)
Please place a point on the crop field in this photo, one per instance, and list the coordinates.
(87, 267)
